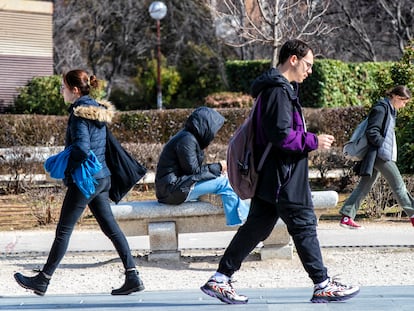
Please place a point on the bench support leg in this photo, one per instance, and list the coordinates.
(276, 252)
(163, 240)
(278, 245)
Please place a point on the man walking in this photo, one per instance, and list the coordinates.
(283, 188)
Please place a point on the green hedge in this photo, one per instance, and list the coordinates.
(240, 74)
(332, 83)
(337, 84)
(157, 126)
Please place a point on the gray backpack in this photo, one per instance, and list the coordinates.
(241, 171)
(357, 147)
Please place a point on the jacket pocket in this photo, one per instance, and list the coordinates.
(283, 175)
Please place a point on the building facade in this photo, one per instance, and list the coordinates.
(26, 45)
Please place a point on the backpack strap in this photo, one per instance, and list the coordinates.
(269, 144)
(264, 156)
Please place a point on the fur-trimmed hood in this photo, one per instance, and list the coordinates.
(88, 108)
(86, 132)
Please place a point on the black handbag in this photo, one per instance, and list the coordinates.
(125, 170)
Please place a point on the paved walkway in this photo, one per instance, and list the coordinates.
(370, 298)
(330, 235)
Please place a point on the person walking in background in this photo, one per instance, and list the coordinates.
(283, 189)
(181, 174)
(85, 133)
(381, 157)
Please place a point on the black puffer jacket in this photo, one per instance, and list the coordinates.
(181, 161)
(378, 121)
(86, 131)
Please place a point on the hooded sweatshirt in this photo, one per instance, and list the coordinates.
(180, 164)
(284, 176)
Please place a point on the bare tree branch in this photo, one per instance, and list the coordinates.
(399, 21)
(270, 22)
(110, 39)
(357, 24)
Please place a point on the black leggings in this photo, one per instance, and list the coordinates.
(73, 206)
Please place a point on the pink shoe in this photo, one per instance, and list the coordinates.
(349, 223)
(412, 220)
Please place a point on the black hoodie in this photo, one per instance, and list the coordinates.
(181, 161)
(284, 177)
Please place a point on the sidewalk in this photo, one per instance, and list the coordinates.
(370, 298)
(95, 273)
(375, 234)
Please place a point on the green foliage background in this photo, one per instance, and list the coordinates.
(186, 85)
(403, 73)
(41, 96)
(332, 84)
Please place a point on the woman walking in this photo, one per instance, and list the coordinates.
(85, 135)
(381, 157)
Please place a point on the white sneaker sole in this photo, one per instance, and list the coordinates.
(351, 227)
(207, 290)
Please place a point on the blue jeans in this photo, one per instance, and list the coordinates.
(301, 224)
(73, 206)
(235, 209)
(392, 175)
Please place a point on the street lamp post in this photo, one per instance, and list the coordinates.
(158, 10)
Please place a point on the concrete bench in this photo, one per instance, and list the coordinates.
(162, 223)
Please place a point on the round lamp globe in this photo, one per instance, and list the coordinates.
(157, 10)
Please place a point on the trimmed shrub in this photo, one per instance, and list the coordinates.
(157, 126)
(41, 95)
(337, 84)
(332, 83)
(241, 74)
(229, 100)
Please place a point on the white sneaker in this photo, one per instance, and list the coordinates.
(334, 291)
(223, 291)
